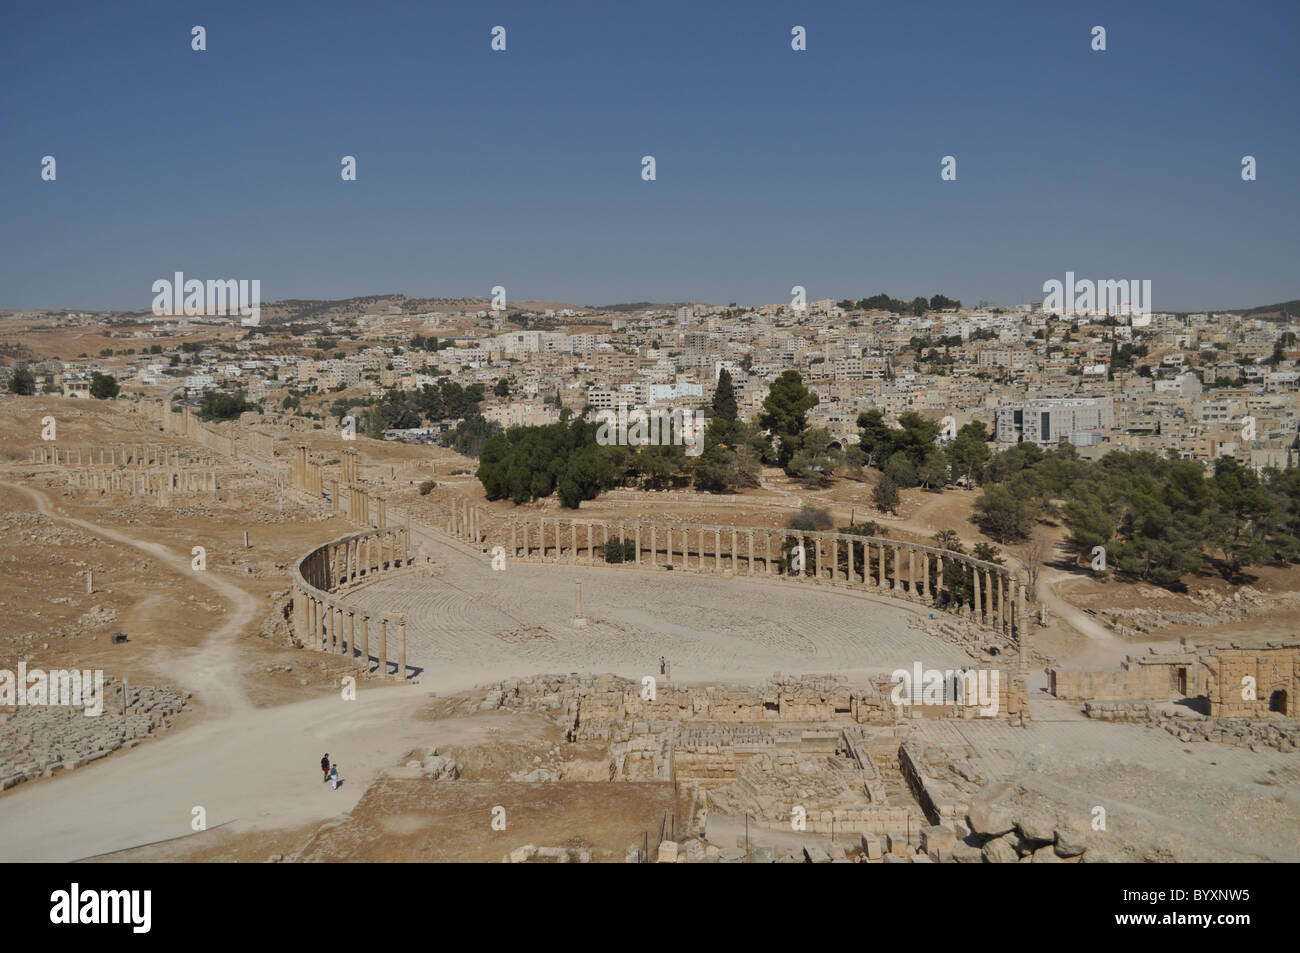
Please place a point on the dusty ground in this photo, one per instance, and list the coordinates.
(262, 712)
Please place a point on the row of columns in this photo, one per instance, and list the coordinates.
(138, 483)
(350, 466)
(903, 569)
(465, 520)
(307, 475)
(331, 626)
(326, 624)
(150, 455)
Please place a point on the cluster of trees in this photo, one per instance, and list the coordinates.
(103, 386)
(909, 455)
(430, 343)
(471, 435)
(221, 406)
(1158, 518)
(526, 463)
(406, 409)
(22, 382)
(918, 305)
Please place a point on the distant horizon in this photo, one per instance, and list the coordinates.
(972, 305)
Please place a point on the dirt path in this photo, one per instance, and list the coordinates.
(212, 672)
(242, 765)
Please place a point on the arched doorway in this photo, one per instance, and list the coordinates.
(1277, 702)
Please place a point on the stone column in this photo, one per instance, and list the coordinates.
(638, 544)
(767, 553)
(1001, 606)
(401, 648)
(717, 550)
(352, 635)
(988, 599)
(514, 541)
(911, 572)
(938, 588)
(365, 641)
(653, 544)
(1022, 628)
(978, 605)
(849, 543)
(573, 542)
(750, 570)
(383, 646)
(821, 565)
(925, 575)
(898, 570)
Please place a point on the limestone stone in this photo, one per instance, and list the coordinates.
(1070, 840)
(813, 854)
(998, 851)
(938, 838)
(990, 819)
(871, 846)
(1035, 825)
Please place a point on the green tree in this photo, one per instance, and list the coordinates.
(885, 494)
(816, 459)
(1005, 514)
(724, 398)
(968, 454)
(785, 413)
(933, 471)
(22, 382)
(103, 386)
(217, 405)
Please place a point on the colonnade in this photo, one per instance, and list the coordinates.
(121, 455)
(983, 591)
(146, 482)
(322, 621)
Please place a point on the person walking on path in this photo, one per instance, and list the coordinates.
(662, 664)
(325, 765)
(333, 777)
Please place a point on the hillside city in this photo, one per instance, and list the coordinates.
(1199, 386)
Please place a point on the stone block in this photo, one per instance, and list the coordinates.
(871, 846)
(938, 838)
(998, 851)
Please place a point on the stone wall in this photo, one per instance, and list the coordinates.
(1250, 682)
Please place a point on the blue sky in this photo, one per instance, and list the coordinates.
(775, 168)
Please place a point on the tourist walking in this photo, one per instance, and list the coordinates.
(333, 777)
(325, 765)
